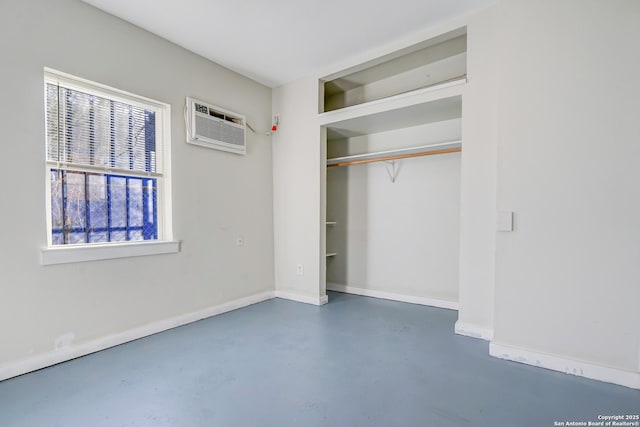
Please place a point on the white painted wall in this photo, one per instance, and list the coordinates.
(396, 237)
(550, 132)
(567, 278)
(478, 181)
(297, 173)
(217, 196)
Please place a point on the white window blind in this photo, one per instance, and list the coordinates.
(90, 131)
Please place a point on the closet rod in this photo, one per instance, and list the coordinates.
(396, 157)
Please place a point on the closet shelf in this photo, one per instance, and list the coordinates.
(448, 89)
(404, 153)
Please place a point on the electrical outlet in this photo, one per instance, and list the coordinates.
(300, 270)
(239, 241)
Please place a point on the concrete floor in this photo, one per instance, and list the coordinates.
(355, 362)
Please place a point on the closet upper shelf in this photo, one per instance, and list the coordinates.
(418, 109)
(423, 67)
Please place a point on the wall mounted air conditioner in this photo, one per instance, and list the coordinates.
(214, 127)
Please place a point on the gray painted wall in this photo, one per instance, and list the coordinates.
(217, 196)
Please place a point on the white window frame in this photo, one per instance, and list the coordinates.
(60, 254)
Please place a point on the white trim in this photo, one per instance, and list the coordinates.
(292, 296)
(432, 302)
(474, 331)
(164, 194)
(68, 353)
(566, 365)
(101, 169)
(64, 254)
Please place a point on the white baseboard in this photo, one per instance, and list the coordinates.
(451, 305)
(566, 365)
(71, 352)
(474, 331)
(302, 298)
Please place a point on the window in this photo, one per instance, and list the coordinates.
(106, 165)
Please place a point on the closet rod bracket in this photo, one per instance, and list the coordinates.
(392, 171)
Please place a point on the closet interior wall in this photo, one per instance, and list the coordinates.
(395, 237)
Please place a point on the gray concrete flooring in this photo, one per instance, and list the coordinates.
(355, 362)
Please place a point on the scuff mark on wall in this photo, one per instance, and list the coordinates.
(64, 341)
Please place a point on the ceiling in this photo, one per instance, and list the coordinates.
(278, 41)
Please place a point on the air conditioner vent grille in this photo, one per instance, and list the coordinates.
(219, 130)
(214, 127)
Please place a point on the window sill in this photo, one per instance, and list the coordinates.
(69, 254)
